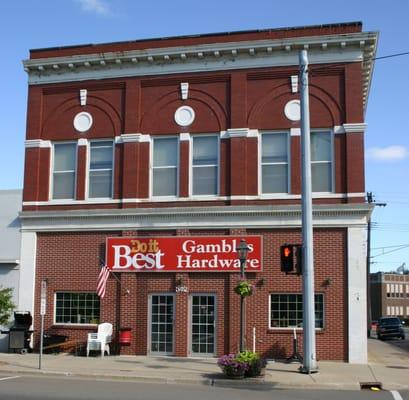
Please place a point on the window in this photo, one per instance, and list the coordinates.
(321, 161)
(274, 163)
(100, 170)
(286, 311)
(205, 165)
(64, 170)
(76, 308)
(165, 166)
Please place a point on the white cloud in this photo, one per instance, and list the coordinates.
(95, 6)
(390, 153)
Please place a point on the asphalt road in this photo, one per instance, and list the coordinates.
(68, 388)
(402, 344)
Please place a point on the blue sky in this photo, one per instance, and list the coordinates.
(47, 23)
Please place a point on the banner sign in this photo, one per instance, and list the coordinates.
(181, 254)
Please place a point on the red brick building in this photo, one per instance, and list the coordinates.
(169, 141)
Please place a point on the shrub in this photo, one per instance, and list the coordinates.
(256, 364)
(232, 366)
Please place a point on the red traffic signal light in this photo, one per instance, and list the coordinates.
(287, 258)
(291, 257)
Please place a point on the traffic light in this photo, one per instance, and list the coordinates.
(298, 259)
(291, 257)
(287, 258)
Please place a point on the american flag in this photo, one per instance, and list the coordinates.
(102, 280)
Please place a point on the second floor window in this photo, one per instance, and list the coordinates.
(100, 170)
(274, 163)
(165, 166)
(205, 165)
(65, 155)
(321, 161)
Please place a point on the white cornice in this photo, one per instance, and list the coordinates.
(342, 215)
(272, 196)
(133, 138)
(82, 142)
(9, 261)
(352, 47)
(37, 143)
(295, 131)
(355, 128)
(239, 132)
(184, 137)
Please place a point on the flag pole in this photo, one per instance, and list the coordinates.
(102, 262)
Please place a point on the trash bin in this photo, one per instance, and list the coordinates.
(125, 336)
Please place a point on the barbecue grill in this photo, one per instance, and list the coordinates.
(20, 333)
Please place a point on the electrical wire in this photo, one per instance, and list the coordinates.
(312, 70)
(391, 55)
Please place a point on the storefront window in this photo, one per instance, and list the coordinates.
(286, 311)
(274, 163)
(165, 167)
(205, 165)
(100, 170)
(64, 170)
(76, 308)
(321, 161)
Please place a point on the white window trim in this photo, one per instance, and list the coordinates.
(151, 167)
(69, 323)
(260, 164)
(88, 170)
(332, 161)
(294, 327)
(51, 186)
(204, 196)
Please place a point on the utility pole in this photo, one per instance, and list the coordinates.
(309, 360)
(370, 200)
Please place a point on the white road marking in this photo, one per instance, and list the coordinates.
(9, 377)
(396, 395)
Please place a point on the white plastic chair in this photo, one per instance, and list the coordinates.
(100, 341)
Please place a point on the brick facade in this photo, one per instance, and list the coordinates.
(70, 262)
(239, 86)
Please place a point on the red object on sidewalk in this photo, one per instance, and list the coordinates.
(125, 336)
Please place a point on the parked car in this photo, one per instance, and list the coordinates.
(389, 327)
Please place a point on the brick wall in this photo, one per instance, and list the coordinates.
(253, 98)
(70, 262)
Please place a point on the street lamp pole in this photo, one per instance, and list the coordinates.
(242, 251)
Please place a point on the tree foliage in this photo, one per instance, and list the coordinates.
(6, 305)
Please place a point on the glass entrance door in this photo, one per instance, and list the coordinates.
(203, 325)
(161, 324)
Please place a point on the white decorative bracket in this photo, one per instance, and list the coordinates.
(294, 83)
(83, 97)
(184, 90)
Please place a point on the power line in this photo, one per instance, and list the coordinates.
(389, 247)
(390, 251)
(391, 55)
(370, 59)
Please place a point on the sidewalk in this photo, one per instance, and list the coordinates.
(331, 375)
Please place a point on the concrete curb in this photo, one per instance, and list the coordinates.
(249, 383)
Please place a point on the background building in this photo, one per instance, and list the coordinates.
(389, 295)
(176, 142)
(10, 206)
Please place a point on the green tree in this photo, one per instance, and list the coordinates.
(6, 305)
